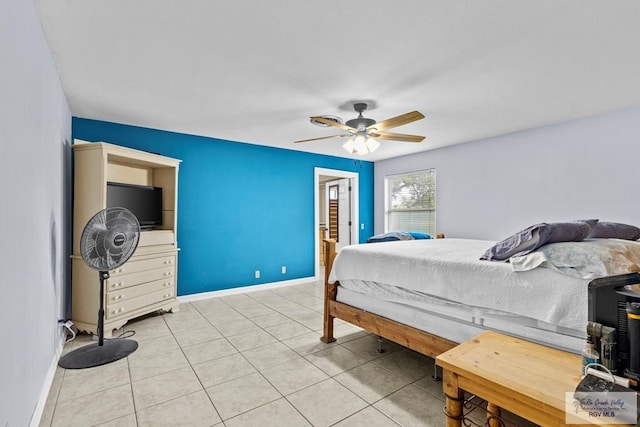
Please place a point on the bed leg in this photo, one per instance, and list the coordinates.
(327, 334)
(380, 341)
(330, 291)
(437, 372)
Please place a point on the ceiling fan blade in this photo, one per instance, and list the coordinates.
(334, 123)
(397, 136)
(322, 137)
(393, 122)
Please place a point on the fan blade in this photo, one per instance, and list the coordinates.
(393, 122)
(334, 123)
(397, 136)
(323, 137)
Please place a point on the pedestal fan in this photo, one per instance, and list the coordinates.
(108, 241)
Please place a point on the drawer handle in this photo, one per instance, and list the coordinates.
(166, 295)
(117, 285)
(165, 284)
(167, 273)
(170, 261)
(117, 297)
(120, 310)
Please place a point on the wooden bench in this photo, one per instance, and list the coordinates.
(524, 378)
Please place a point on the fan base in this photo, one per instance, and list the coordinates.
(95, 355)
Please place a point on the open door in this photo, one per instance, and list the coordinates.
(336, 210)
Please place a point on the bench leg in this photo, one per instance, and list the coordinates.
(454, 399)
(493, 415)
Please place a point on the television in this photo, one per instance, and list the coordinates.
(145, 202)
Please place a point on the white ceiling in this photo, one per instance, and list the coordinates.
(255, 70)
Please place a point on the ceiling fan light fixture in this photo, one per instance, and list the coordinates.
(361, 144)
(363, 133)
(372, 144)
(349, 146)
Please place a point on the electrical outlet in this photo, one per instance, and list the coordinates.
(284, 269)
(257, 274)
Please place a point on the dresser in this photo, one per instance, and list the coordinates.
(147, 281)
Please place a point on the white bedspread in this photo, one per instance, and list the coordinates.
(451, 269)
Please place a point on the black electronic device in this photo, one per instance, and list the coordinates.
(608, 298)
(633, 327)
(145, 202)
(591, 383)
(592, 389)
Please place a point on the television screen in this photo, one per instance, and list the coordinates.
(144, 202)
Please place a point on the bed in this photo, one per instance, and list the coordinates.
(430, 295)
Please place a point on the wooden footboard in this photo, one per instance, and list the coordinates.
(415, 339)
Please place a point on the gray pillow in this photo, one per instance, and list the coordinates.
(615, 230)
(531, 238)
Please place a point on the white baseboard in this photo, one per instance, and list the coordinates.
(243, 289)
(48, 382)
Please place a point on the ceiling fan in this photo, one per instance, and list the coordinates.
(364, 132)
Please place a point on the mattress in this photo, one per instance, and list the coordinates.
(446, 278)
(458, 323)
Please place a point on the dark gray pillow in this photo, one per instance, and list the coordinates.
(615, 230)
(592, 222)
(531, 238)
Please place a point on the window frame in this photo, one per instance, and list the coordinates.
(387, 200)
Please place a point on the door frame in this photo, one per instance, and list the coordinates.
(355, 218)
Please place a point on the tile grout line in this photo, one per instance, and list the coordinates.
(204, 389)
(282, 396)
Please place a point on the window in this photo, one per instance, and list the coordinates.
(410, 202)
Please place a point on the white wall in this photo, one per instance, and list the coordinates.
(492, 188)
(35, 134)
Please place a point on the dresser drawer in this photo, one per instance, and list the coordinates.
(121, 282)
(144, 265)
(124, 307)
(123, 294)
(156, 237)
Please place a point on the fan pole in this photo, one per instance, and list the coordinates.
(104, 275)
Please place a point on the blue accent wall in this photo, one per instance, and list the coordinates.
(241, 207)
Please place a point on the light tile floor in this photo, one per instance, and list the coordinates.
(252, 359)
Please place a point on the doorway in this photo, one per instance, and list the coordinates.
(336, 211)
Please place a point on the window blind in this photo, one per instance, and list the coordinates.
(410, 202)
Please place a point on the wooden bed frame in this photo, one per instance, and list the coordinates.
(415, 339)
